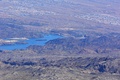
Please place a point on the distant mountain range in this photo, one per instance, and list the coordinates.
(44, 16)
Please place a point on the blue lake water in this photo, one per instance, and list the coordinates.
(33, 41)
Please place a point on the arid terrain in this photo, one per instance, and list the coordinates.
(88, 50)
(31, 18)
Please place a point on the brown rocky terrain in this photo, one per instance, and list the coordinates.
(67, 68)
(89, 49)
(66, 58)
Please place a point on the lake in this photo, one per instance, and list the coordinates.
(32, 41)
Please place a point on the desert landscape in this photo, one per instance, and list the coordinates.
(62, 39)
